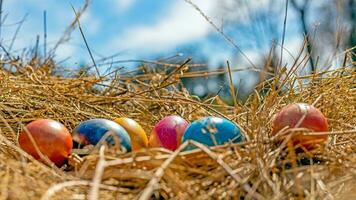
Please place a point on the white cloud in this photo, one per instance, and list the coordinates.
(90, 23)
(65, 51)
(181, 25)
(124, 5)
(241, 10)
(292, 48)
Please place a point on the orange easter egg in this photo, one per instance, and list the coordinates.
(51, 137)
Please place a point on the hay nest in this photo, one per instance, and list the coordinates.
(255, 169)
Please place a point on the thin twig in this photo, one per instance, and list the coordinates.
(232, 88)
(176, 70)
(227, 38)
(302, 14)
(67, 33)
(99, 170)
(228, 169)
(152, 185)
(1, 3)
(284, 32)
(17, 31)
(45, 35)
(60, 186)
(86, 43)
(36, 46)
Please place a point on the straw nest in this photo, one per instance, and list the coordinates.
(256, 169)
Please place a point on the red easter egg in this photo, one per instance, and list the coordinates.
(314, 120)
(51, 137)
(168, 132)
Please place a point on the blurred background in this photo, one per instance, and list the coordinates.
(254, 36)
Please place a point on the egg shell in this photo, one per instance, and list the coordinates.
(91, 132)
(51, 137)
(212, 131)
(138, 136)
(314, 120)
(168, 132)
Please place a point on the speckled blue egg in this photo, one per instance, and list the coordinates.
(212, 131)
(91, 132)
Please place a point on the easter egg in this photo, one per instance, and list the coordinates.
(51, 138)
(168, 132)
(92, 131)
(311, 118)
(137, 134)
(212, 131)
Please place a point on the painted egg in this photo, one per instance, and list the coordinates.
(168, 132)
(92, 131)
(137, 134)
(212, 131)
(51, 137)
(311, 118)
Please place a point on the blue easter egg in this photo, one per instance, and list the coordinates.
(91, 132)
(212, 131)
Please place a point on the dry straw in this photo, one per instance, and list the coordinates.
(255, 169)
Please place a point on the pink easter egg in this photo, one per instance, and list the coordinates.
(168, 132)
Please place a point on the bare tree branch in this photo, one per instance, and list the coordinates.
(302, 9)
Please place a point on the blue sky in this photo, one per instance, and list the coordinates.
(152, 29)
(144, 29)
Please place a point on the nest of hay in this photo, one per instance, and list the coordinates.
(255, 169)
